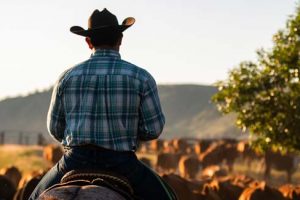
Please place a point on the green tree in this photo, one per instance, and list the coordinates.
(265, 94)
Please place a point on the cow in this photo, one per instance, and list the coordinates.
(155, 146)
(284, 162)
(183, 188)
(142, 148)
(168, 146)
(223, 188)
(248, 154)
(211, 156)
(290, 192)
(202, 145)
(189, 166)
(180, 145)
(7, 188)
(167, 162)
(52, 153)
(27, 185)
(261, 191)
(218, 153)
(12, 173)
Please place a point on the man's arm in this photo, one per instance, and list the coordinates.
(151, 120)
(56, 117)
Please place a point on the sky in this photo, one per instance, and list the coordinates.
(177, 41)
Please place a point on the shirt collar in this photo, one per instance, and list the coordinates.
(106, 53)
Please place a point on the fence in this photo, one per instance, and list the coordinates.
(22, 137)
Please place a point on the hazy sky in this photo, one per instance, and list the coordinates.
(177, 41)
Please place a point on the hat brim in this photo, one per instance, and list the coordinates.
(129, 21)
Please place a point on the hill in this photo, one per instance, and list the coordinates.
(187, 108)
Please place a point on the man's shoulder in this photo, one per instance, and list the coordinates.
(74, 69)
(65, 75)
(137, 71)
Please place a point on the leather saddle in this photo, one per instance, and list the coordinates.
(106, 179)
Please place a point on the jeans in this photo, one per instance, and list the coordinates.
(146, 183)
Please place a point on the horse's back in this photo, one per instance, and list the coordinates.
(81, 193)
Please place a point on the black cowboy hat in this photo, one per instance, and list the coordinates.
(103, 21)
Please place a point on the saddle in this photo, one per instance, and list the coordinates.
(106, 179)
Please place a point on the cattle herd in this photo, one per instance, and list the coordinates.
(205, 169)
(196, 169)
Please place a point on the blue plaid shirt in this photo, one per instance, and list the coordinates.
(105, 101)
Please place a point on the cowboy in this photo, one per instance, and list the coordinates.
(100, 110)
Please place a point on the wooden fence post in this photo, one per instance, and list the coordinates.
(20, 138)
(41, 141)
(2, 137)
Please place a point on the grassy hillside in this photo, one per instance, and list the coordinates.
(187, 109)
(190, 113)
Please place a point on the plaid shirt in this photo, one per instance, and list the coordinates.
(105, 101)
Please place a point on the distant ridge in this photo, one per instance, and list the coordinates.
(187, 108)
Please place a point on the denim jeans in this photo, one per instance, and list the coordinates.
(146, 183)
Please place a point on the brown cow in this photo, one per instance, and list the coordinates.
(53, 153)
(218, 153)
(211, 156)
(168, 146)
(260, 192)
(248, 154)
(7, 188)
(180, 145)
(28, 185)
(142, 147)
(291, 192)
(202, 145)
(183, 188)
(285, 162)
(188, 166)
(155, 146)
(13, 174)
(167, 162)
(224, 188)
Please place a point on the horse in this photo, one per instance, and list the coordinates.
(83, 184)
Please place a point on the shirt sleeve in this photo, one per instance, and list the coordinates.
(56, 116)
(151, 117)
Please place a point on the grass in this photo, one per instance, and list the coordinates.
(25, 158)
